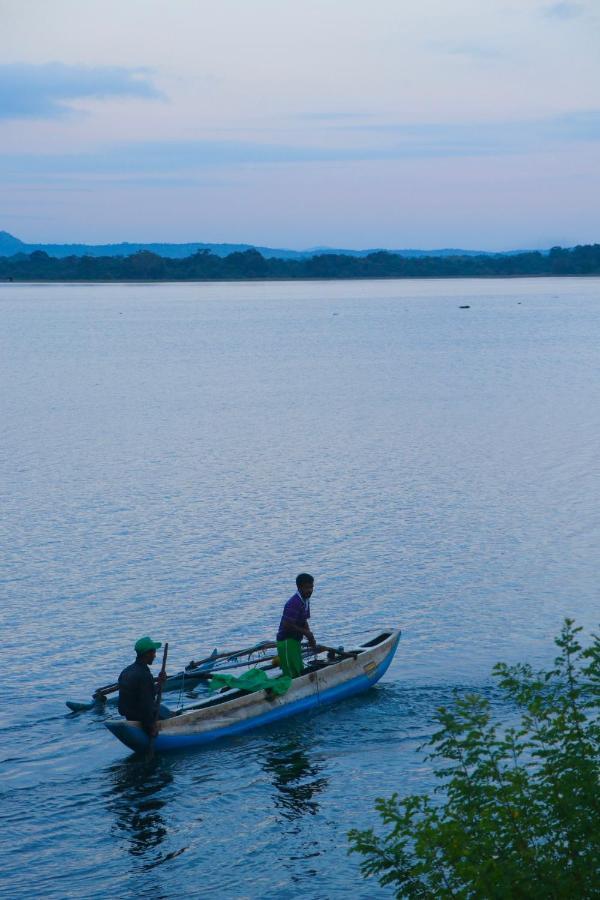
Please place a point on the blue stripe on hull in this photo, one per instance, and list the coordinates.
(136, 738)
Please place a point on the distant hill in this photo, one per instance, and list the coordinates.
(409, 253)
(10, 245)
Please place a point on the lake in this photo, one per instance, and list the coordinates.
(174, 454)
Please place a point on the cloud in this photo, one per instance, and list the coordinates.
(475, 138)
(564, 10)
(360, 143)
(45, 91)
(332, 116)
(171, 156)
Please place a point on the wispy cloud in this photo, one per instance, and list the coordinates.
(477, 137)
(47, 90)
(333, 116)
(368, 142)
(169, 156)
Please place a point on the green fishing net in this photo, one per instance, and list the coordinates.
(254, 680)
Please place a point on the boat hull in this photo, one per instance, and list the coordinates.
(199, 727)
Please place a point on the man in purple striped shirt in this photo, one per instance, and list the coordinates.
(294, 626)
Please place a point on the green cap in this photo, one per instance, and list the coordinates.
(144, 644)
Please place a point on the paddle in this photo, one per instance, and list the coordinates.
(161, 679)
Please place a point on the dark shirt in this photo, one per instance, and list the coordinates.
(297, 611)
(137, 694)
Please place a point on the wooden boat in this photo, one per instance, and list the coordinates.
(332, 676)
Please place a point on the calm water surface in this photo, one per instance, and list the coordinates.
(172, 455)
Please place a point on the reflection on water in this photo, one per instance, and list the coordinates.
(136, 799)
(298, 779)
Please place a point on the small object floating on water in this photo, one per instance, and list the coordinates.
(234, 711)
(465, 307)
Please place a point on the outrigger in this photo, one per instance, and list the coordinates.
(194, 674)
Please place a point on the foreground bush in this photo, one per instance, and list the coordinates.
(517, 813)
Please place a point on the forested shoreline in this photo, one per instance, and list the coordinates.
(250, 264)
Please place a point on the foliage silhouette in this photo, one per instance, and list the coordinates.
(250, 264)
(518, 809)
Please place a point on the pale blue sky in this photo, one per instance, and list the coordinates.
(474, 124)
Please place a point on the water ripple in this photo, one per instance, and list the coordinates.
(172, 456)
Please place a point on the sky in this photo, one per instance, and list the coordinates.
(471, 124)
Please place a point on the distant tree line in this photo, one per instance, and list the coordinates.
(250, 264)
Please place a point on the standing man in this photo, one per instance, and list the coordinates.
(137, 689)
(294, 626)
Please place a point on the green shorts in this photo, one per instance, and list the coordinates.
(290, 657)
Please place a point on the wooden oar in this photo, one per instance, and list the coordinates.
(161, 679)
